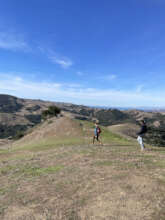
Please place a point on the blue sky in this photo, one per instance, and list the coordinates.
(107, 53)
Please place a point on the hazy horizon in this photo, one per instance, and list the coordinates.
(99, 106)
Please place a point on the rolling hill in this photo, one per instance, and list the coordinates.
(21, 114)
(17, 116)
(54, 172)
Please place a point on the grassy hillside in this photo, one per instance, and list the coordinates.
(127, 130)
(52, 174)
(155, 135)
(19, 115)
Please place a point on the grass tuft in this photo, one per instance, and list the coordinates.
(34, 171)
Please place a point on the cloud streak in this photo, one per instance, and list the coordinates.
(63, 62)
(12, 41)
(55, 58)
(108, 77)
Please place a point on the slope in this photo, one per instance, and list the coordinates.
(127, 130)
(43, 180)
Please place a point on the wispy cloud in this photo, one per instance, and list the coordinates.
(108, 77)
(55, 91)
(12, 41)
(63, 61)
(54, 57)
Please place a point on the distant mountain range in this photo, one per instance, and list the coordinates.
(142, 108)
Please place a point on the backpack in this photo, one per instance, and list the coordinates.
(99, 130)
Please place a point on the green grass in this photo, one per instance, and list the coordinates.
(2, 208)
(36, 171)
(5, 170)
(120, 176)
(116, 163)
(50, 143)
(86, 124)
(108, 136)
(5, 151)
(159, 150)
(126, 165)
(104, 163)
(145, 156)
(2, 191)
(159, 163)
(47, 144)
(81, 169)
(29, 170)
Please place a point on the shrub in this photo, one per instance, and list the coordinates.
(52, 111)
(19, 134)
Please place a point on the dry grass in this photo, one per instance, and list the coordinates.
(126, 130)
(81, 181)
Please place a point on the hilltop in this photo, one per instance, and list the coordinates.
(18, 114)
(54, 172)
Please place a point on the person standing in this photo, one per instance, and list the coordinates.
(141, 134)
(97, 132)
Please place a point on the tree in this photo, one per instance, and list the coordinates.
(52, 111)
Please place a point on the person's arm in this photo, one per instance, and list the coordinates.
(142, 130)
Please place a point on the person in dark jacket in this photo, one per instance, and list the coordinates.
(141, 133)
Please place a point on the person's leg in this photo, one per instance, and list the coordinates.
(99, 139)
(140, 140)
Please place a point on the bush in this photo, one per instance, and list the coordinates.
(52, 111)
(19, 134)
(50, 122)
(155, 137)
(7, 131)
